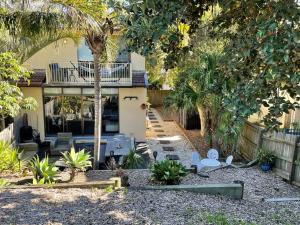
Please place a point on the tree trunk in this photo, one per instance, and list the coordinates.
(98, 113)
(202, 115)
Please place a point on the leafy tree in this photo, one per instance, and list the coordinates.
(164, 23)
(155, 70)
(260, 61)
(11, 97)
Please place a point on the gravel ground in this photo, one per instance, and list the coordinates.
(93, 206)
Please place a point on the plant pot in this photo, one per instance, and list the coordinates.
(265, 167)
(143, 106)
(125, 181)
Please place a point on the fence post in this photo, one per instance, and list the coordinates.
(294, 156)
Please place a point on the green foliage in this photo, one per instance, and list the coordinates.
(132, 160)
(168, 172)
(3, 183)
(167, 24)
(197, 87)
(77, 161)
(109, 189)
(260, 56)
(43, 171)
(295, 125)
(11, 97)
(221, 219)
(266, 156)
(9, 158)
(38, 182)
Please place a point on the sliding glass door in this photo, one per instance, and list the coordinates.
(88, 115)
(67, 112)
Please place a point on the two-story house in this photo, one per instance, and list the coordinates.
(63, 86)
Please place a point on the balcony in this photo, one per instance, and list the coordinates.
(82, 73)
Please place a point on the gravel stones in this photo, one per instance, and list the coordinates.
(93, 206)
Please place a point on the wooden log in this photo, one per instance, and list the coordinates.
(281, 199)
(95, 184)
(234, 191)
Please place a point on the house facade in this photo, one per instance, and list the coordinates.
(63, 86)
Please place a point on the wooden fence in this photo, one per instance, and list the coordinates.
(7, 134)
(156, 97)
(11, 133)
(285, 146)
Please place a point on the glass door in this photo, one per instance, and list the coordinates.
(88, 115)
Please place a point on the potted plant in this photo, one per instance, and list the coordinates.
(266, 159)
(124, 177)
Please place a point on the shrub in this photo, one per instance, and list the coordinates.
(3, 183)
(265, 156)
(168, 172)
(9, 158)
(43, 171)
(77, 161)
(133, 160)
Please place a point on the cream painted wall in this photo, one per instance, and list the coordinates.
(137, 61)
(132, 116)
(286, 119)
(36, 117)
(64, 50)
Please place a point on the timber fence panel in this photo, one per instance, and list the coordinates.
(249, 140)
(7, 134)
(156, 97)
(296, 178)
(283, 146)
(286, 147)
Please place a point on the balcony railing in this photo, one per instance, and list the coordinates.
(82, 73)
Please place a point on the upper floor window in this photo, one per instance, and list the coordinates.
(117, 51)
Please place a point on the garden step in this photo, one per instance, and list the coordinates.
(172, 157)
(168, 149)
(164, 142)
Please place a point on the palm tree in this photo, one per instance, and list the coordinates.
(195, 88)
(92, 19)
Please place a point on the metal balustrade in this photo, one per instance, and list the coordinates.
(82, 73)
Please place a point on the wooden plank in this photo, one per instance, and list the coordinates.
(279, 141)
(296, 183)
(282, 173)
(234, 191)
(97, 184)
(294, 157)
(281, 199)
(284, 158)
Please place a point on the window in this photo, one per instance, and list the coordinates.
(71, 112)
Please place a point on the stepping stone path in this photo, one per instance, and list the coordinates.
(157, 126)
(168, 149)
(163, 142)
(160, 131)
(167, 137)
(172, 157)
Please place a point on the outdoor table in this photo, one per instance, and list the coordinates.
(210, 162)
(120, 145)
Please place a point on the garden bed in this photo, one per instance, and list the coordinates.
(132, 206)
(258, 185)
